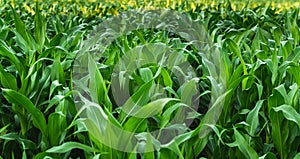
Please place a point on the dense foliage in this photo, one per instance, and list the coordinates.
(258, 47)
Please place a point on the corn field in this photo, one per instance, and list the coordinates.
(145, 79)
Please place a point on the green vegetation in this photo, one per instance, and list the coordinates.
(258, 51)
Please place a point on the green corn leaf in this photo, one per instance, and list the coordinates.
(268, 155)
(56, 125)
(43, 155)
(166, 117)
(7, 80)
(37, 116)
(252, 118)
(153, 108)
(243, 146)
(53, 86)
(173, 146)
(138, 99)
(297, 156)
(274, 68)
(278, 97)
(10, 54)
(68, 146)
(146, 74)
(27, 144)
(188, 90)
(277, 133)
(97, 85)
(289, 113)
(236, 50)
(39, 28)
(23, 37)
(167, 79)
(277, 35)
(20, 26)
(57, 72)
(134, 123)
(294, 70)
